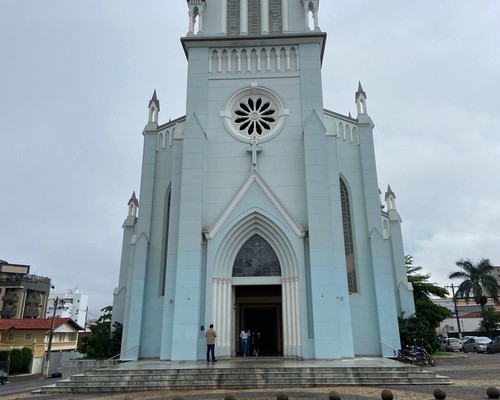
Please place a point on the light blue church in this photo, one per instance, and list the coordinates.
(260, 208)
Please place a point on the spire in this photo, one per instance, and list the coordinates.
(154, 100)
(154, 108)
(133, 204)
(390, 198)
(360, 100)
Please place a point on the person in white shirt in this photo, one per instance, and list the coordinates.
(245, 341)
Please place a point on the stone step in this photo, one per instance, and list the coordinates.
(109, 380)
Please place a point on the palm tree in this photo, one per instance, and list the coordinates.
(477, 282)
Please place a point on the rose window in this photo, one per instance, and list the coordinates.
(255, 116)
(254, 113)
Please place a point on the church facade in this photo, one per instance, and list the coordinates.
(260, 208)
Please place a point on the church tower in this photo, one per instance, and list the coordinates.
(260, 208)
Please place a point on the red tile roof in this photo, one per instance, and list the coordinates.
(35, 323)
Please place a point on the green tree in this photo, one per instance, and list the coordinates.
(103, 342)
(27, 355)
(16, 361)
(422, 326)
(490, 322)
(477, 281)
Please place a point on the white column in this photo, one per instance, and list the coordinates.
(239, 61)
(191, 21)
(284, 15)
(298, 337)
(223, 17)
(226, 326)
(229, 61)
(249, 61)
(264, 17)
(244, 17)
(200, 22)
(315, 17)
(221, 314)
(286, 316)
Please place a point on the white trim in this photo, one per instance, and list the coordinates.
(255, 178)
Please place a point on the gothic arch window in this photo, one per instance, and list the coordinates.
(348, 238)
(256, 258)
(341, 130)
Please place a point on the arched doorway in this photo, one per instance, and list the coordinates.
(236, 265)
(258, 298)
(259, 309)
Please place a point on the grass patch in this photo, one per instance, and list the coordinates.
(446, 354)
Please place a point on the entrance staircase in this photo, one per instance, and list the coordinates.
(243, 374)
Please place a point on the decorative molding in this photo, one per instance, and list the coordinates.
(255, 178)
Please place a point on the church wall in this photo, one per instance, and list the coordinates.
(363, 303)
(343, 137)
(279, 163)
(173, 234)
(153, 300)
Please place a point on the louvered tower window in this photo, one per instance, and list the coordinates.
(254, 17)
(233, 17)
(275, 17)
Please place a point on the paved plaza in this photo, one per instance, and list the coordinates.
(472, 374)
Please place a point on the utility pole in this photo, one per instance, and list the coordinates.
(57, 302)
(456, 310)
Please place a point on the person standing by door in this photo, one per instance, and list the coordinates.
(210, 335)
(245, 341)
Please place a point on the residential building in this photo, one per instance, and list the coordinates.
(34, 333)
(22, 295)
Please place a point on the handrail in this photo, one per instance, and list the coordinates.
(388, 345)
(123, 352)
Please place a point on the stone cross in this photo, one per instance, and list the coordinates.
(254, 149)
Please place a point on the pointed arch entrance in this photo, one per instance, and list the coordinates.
(267, 289)
(258, 308)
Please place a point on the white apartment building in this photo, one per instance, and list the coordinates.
(71, 304)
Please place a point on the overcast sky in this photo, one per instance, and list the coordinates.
(76, 78)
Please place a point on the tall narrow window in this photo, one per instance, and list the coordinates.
(348, 238)
(163, 271)
(256, 258)
(233, 17)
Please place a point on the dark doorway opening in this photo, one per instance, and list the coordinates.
(260, 311)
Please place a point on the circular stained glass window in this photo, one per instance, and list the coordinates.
(256, 116)
(254, 113)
